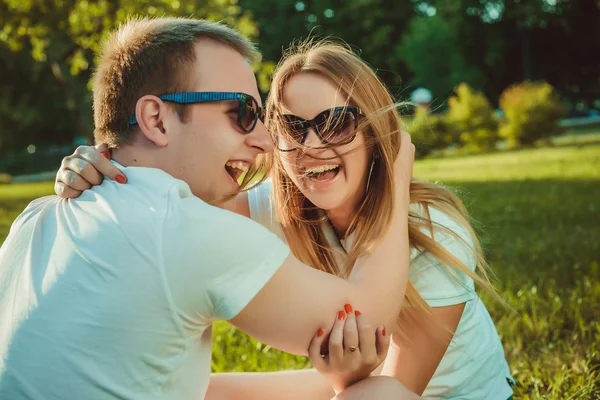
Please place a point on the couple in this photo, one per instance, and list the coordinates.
(112, 295)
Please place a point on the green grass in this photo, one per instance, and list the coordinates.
(14, 198)
(538, 212)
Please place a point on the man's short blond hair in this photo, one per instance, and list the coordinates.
(150, 56)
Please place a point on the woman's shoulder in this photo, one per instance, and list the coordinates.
(448, 231)
(439, 224)
(435, 280)
(260, 202)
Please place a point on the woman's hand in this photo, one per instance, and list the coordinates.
(355, 349)
(403, 170)
(85, 168)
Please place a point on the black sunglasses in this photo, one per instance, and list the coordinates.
(334, 127)
(248, 111)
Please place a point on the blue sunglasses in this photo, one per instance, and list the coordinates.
(248, 111)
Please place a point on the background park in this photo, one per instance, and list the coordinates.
(507, 100)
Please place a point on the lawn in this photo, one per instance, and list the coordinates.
(538, 212)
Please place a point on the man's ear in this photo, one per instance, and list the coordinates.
(150, 112)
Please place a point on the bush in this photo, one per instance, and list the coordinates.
(531, 112)
(429, 132)
(471, 119)
(44, 159)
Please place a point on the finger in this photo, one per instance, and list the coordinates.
(103, 148)
(314, 350)
(366, 335)
(406, 144)
(83, 168)
(101, 163)
(350, 332)
(383, 342)
(336, 339)
(408, 149)
(66, 192)
(72, 179)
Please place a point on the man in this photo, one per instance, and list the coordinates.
(112, 295)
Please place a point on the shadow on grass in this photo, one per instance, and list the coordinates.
(536, 228)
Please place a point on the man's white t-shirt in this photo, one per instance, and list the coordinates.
(112, 295)
(474, 366)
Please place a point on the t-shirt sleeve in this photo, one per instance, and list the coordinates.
(216, 261)
(261, 208)
(441, 285)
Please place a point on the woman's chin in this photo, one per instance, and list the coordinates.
(326, 202)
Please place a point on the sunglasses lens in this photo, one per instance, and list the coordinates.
(339, 128)
(292, 133)
(248, 114)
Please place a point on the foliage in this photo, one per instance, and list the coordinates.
(504, 41)
(471, 117)
(47, 48)
(531, 112)
(434, 51)
(429, 132)
(50, 47)
(373, 27)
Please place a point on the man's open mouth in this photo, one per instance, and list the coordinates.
(236, 169)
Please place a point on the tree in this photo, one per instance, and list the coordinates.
(434, 52)
(505, 41)
(63, 38)
(372, 27)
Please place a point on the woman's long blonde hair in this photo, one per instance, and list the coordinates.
(301, 220)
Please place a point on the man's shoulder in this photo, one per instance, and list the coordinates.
(35, 208)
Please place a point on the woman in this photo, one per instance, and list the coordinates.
(336, 130)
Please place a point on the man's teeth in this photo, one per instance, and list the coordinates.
(238, 165)
(321, 168)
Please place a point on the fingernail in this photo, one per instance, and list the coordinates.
(357, 313)
(120, 178)
(105, 154)
(320, 332)
(383, 331)
(348, 308)
(341, 315)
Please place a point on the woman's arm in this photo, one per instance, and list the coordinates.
(88, 166)
(351, 351)
(289, 385)
(414, 357)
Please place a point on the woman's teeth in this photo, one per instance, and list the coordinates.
(321, 168)
(322, 173)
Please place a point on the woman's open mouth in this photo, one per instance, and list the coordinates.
(322, 173)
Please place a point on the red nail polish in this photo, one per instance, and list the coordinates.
(105, 154)
(348, 308)
(320, 332)
(341, 315)
(120, 178)
(357, 313)
(383, 331)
